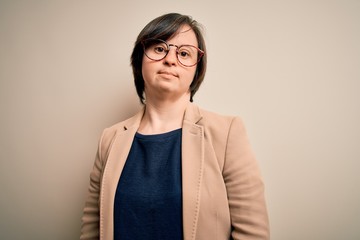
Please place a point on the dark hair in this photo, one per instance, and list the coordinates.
(164, 27)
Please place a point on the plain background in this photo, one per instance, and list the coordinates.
(290, 69)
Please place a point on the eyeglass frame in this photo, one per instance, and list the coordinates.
(201, 53)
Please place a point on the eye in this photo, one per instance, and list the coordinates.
(159, 49)
(184, 54)
(187, 52)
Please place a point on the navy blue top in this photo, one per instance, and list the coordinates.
(148, 199)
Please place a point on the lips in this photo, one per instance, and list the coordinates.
(168, 73)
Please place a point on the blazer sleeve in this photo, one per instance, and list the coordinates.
(91, 213)
(244, 186)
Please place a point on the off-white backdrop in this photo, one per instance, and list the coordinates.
(289, 68)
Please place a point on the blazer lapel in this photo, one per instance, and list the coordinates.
(192, 169)
(114, 166)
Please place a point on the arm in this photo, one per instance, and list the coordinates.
(244, 186)
(91, 214)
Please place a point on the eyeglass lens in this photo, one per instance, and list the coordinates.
(157, 49)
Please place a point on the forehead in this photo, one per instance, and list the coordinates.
(185, 35)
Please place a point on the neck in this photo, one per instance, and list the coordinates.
(162, 116)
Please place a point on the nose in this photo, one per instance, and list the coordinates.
(171, 57)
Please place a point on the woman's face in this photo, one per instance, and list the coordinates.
(167, 79)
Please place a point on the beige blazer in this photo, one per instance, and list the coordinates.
(223, 193)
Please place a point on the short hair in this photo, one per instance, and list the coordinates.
(164, 27)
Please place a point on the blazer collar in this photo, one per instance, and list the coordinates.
(192, 114)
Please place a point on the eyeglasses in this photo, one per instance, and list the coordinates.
(157, 49)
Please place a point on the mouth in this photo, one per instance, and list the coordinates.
(168, 73)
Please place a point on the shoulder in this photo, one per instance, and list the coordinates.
(219, 128)
(110, 133)
(218, 121)
(215, 117)
(124, 125)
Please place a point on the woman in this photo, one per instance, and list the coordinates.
(174, 171)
